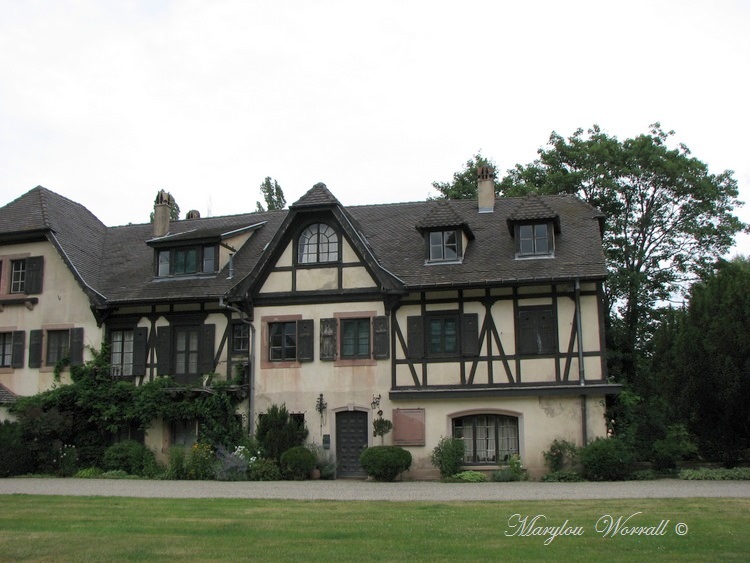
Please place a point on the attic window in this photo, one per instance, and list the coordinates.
(187, 260)
(444, 246)
(318, 243)
(534, 239)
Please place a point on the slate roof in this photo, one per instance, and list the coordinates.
(6, 395)
(117, 263)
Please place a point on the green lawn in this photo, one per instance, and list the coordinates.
(112, 528)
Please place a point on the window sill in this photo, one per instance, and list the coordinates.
(20, 299)
(350, 362)
(443, 262)
(535, 256)
(279, 365)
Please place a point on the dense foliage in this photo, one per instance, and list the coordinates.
(297, 463)
(277, 431)
(448, 456)
(385, 463)
(606, 459)
(272, 194)
(81, 418)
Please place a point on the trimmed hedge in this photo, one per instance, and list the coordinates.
(297, 463)
(385, 463)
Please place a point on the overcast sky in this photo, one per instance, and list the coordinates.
(107, 102)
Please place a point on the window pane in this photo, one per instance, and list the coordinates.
(6, 348)
(451, 338)
(540, 239)
(18, 276)
(164, 263)
(191, 261)
(57, 346)
(209, 259)
(489, 438)
(436, 246)
(451, 245)
(282, 341)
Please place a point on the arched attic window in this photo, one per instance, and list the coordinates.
(318, 243)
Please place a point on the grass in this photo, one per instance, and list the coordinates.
(115, 528)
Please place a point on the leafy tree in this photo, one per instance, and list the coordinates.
(668, 218)
(272, 195)
(465, 183)
(708, 380)
(174, 211)
(277, 432)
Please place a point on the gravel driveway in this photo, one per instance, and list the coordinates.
(366, 490)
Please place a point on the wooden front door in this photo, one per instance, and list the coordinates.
(351, 439)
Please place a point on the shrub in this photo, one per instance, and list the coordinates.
(66, 460)
(297, 463)
(385, 463)
(130, 456)
(676, 446)
(323, 461)
(263, 470)
(721, 474)
(606, 459)
(643, 475)
(563, 476)
(448, 456)
(14, 455)
(88, 473)
(277, 432)
(230, 466)
(562, 454)
(200, 462)
(177, 464)
(467, 477)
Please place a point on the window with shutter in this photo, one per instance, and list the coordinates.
(535, 333)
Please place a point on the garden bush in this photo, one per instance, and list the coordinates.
(176, 464)
(200, 462)
(262, 469)
(88, 473)
(323, 461)
(297, 463)
(606, 459)
(277, 432)
(563, 476)
(676, 446)
(130, 456)
(720, 474)
(467, 477)
(385, 463)
(230, 466)
(448, 456)
(562, 454)
(14, 456)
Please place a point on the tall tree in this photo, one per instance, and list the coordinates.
(465, 182)
(668, 218)
(174, 211)
(707, 372)
(272, 195)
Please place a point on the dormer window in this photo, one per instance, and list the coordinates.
(318, 243)
(187, 260)
(535, 239)
(444, 246)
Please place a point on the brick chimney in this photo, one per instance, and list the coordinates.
(486, 191)
(162, 212)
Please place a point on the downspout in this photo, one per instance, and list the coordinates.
(250, 365)
(581, 366)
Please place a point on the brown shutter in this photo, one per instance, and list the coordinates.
(76, 347)
(207, 347)
(35, 348)
(415, 337)
(328, 340)
(164, 350)
(305, 344)
(381, 338)
(19, 344)
(34, 275)
(140, 350)
(470, 333)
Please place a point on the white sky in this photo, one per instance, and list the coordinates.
(106, 102)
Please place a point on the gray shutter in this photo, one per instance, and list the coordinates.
(207, 346)
(140, 350)
(19, 345)
(470, 333)
(328, 340)
(415, 337)
(164, 350)
(381, 338)
(34, 275)
(76, 347)
(305, 344)
(35, 348)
